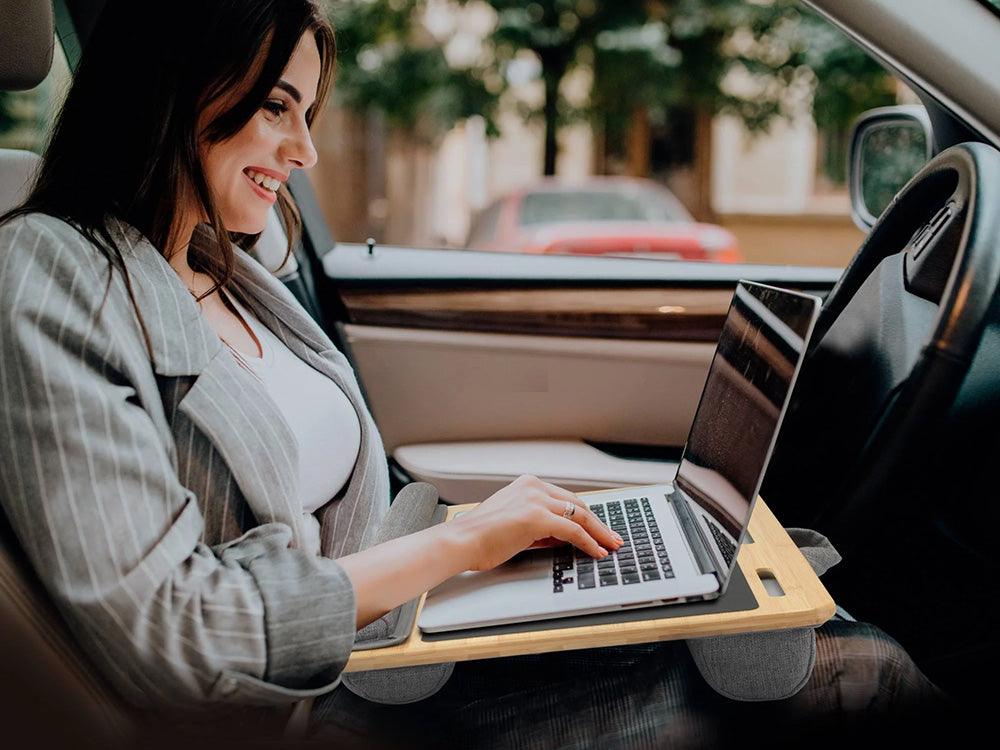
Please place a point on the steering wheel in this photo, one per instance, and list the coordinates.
(893, 425)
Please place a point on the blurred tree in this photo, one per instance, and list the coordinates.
(391, 63)
(563, 35)
(401, 85)
(7, 120)
(755, 59)
(852, 83)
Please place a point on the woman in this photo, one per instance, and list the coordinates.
(161, 391)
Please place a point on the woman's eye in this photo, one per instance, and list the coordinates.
(274, 108)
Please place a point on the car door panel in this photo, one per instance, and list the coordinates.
(624, 312)
(479, 367)
(431, 386)
(471, 471)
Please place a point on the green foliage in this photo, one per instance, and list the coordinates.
(755, 59)
(891, 155)
(390, 63)
(776, 53)
(7, 120)
(23, 123)
(852, 81)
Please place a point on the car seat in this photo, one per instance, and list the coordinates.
(50, 692)
(49, 689)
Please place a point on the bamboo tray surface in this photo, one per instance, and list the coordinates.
(802, 601)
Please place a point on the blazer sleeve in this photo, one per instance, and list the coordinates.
(88, 482)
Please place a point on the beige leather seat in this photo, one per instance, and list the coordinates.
(49, 693)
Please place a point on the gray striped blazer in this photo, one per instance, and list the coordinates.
(157, 500)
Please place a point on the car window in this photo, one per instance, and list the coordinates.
(441, 117)
(484, 226)
(427, 143)
(27, 117)
(606, 205)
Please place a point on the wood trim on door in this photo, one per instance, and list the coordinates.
(663, 314)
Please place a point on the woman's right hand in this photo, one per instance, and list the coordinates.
(527, 513)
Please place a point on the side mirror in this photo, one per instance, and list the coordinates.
(888, 146)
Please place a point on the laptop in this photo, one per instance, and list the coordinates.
(681, 539)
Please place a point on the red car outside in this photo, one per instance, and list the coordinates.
(600, 216)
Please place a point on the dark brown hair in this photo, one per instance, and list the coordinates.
(126, 142)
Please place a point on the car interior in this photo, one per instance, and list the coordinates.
(481, 367)
(41, 661)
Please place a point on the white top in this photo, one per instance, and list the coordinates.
(326, 427)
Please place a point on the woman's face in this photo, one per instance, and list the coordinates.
(244, 172)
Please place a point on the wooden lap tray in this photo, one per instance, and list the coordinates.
(746, 606)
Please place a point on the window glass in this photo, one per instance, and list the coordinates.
(484, 226)
(736, 112)
(595, 205)
(27, 117)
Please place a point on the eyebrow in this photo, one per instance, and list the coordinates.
(290, 90)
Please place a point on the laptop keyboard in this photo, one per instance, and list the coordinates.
(643, 557)
(726, 547)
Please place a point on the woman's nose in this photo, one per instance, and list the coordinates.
(299, 148)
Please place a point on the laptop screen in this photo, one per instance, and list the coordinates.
(748, 384)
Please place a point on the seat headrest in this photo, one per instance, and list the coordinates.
(26, 43)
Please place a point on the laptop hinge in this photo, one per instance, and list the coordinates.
(695, 536)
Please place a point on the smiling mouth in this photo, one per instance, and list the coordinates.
(266, 182)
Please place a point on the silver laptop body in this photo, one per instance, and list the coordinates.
(682, 538)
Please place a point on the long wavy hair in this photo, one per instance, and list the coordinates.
(126, 143)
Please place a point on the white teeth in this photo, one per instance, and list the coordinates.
(263, 180)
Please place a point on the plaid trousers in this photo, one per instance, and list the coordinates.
(863, 686)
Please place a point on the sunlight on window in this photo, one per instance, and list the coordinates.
(448, 116)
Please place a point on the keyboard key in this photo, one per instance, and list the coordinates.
(726, 547)
(643, 556)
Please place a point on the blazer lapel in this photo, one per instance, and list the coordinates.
(278, 309)
(235, 413)
(350, 523)
(182, 342)
(228, 405)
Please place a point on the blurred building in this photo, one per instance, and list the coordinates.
(765, 188)
(768, 189)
